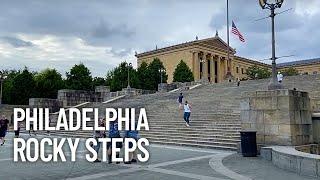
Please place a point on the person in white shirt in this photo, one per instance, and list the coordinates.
(279, 77)
(187, 112)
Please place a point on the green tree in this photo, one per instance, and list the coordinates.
(255, 72)
(118, 77)
(182, 73)
(155, 74)
(7, 97)
(290, 72)
(98, 81)
(48, 82)
(143, 74)
(23, 87)
(79, 78)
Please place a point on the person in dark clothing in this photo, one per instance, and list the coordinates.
(17, 132)
(97, 135)
(132, 134)
(113, 133)
(4, 122)
(180, 99)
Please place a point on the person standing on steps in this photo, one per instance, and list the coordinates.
(113, 133)
(279, 77)
(3, 129)
(238, 82)
(187, 112)
(17, 132)
(134, 135)
(99, 134)
(180, 99)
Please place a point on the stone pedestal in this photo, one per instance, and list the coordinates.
(280, 117)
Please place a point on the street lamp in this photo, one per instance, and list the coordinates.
(3, 77)
(161, 70)
(129, 66)
(272, 5)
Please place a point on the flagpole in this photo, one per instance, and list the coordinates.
(228, 48)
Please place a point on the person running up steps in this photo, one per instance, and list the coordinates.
(187, 112)
(180, 99)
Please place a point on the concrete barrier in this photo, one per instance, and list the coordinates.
(288, 158)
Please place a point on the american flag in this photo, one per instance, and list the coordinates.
(237, 32)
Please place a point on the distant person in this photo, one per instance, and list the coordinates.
(113, 133)
(187, 112)
(3, 129)
(279, 77)
(32, 129)
(97, 135)
(238, 82)
(132, 134)
(180, 99)
(17, 132)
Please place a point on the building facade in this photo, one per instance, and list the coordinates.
(308, 66)
(208, 60)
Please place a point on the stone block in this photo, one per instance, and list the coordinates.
(308, 167)
(266, 153)
(305, 117)
(270, 117)
(245, 104)
(245, 126)
(271, 129)
(285, 130)
(283, 103)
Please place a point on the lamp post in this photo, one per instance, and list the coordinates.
(129, 66)
(3, 77)
(161, 70)
(272, 5)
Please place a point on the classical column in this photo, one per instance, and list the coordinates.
(219, 69)
(205, 67)
(212, 68)
(196, 67)
(225, 67)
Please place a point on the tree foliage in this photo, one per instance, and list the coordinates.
(118, 77)
(290, 72)
(155, 74)
(48, 82)
(182, 73)
(23, 87)
(255, 72)
(79, 78)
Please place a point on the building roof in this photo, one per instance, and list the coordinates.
(252, 61)
(300, 62)
(215, 42)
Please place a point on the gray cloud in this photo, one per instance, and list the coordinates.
(123, 26)
(16, 42)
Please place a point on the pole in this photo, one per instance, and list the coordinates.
(128, 76)
(161, 76)
(274, 84)
(228, 50)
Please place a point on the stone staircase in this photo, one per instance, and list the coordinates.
(215, 117)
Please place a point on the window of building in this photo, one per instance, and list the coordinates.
(242, 71)
(237, 70)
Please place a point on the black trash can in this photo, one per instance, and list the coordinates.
(248, 143)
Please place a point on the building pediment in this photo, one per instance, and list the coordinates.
(215, 43)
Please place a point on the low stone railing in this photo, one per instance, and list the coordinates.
(289, 158)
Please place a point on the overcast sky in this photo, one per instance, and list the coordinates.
(102, 33)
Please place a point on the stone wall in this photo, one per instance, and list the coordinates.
(73, 97)
(52, 104)
(280, 117)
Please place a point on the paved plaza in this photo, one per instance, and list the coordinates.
(166, 162)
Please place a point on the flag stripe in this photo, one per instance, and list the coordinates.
(237, 32)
